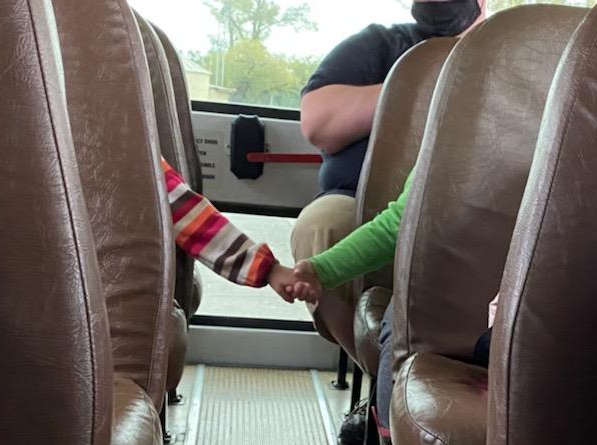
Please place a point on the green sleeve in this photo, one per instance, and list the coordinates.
(368, 248)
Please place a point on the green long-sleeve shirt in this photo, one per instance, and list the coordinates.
(368, 248)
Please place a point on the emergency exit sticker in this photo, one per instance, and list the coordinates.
(213, 157)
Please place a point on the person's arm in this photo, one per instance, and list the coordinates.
(204, 233)
(339, 100)
(368, 248)
(335, 116)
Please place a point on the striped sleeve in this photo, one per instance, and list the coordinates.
(207, 235)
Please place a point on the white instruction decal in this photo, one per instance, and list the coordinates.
(213, 157)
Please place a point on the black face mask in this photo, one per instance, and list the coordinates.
(445, 18)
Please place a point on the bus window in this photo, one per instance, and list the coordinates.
(260, 52)
(263, 52)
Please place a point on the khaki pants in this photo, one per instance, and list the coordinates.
(320, 225)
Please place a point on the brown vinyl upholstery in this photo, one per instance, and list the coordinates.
(543, 362)
(134, 415)
(177, 347)
(368, 316)
(395, 141)
(115, 135)
(173, 151)
(171, 144)
(188, 290)
(470, 176)
(446, 400)
(183, 108)
(56, 372)
(173, 148)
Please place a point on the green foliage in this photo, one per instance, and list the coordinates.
(254, 73)
(255, 19)
(258, 76)
(194, 56)
(239, 59)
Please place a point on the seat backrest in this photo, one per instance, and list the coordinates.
(396, 135)
(171, 146)
(543, 365)
(54, 337)
(470, 176)
(183, 108)
(112, 116)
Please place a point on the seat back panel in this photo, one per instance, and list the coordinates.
(470, 176)
(54, 336)
(115, 134)
(542, 361)
(397, 133)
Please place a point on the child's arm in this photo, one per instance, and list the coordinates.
(204, 233)
(368, 248)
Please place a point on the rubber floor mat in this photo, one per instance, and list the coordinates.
(259, 407)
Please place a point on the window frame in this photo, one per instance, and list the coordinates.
(289, 114)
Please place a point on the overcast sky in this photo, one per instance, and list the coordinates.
(189, 23)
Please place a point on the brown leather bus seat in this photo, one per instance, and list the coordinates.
(172, 150)
(54, 340)
(172, 147)
(116, 141)
(470, 176)
(543, 362)
(183, 109)
(395, 141)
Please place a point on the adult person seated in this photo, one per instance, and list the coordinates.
(337, 109)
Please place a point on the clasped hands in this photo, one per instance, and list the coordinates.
(297, 283)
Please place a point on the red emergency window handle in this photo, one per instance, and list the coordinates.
(285, 158)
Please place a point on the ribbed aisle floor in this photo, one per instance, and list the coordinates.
(260, 407)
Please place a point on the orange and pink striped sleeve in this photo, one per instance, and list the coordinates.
(204, 233)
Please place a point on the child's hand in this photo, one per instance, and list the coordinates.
(281, 279)
(307, 287)
(295, 284)
(284, 282)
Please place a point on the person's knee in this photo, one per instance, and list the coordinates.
(321, 224)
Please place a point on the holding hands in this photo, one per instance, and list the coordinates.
(300, 283)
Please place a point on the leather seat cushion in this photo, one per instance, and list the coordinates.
(177, 342)
(367, 326)
(437, 400)
(135, 420)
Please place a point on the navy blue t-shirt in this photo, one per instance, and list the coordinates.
(362, 59)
